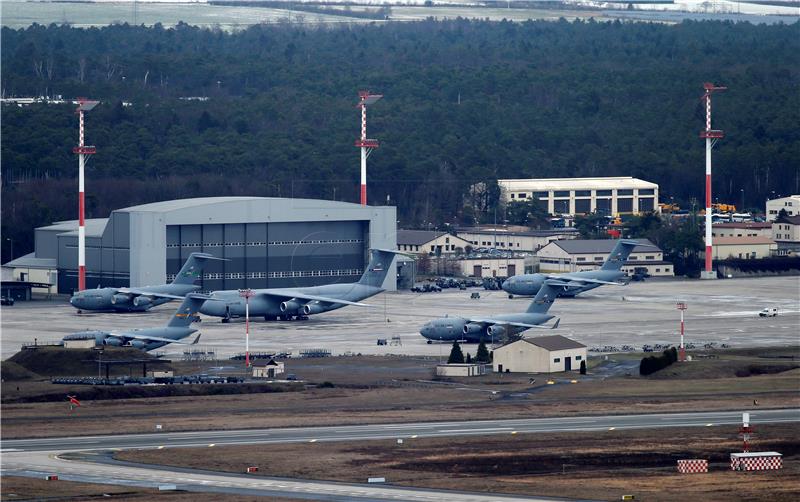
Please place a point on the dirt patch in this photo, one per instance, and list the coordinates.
(597, 465)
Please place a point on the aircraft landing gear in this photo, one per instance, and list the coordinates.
(284, 317)
(430, 342)
(270, 318)
(227, 318)
(510, 297)
(302, 318)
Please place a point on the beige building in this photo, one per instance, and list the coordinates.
(269, 370)
(786, 235)
(589, 254)
(491, 267)
(513, 238)
(791, 204)
(611, 196)
(542, 354)
(743, 247)
(742, 229)
(430, 242)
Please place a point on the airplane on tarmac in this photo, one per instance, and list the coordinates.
(145, 297)
(288, 303)
(178, 328)
(574, 283)
(496, 327)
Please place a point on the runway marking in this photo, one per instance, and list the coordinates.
(476, 430)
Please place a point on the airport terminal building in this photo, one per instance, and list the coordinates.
(267, 243)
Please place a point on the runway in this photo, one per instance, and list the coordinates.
(34, 457)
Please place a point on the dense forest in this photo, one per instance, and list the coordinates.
(465, 102)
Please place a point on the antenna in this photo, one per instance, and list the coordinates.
(711, 136)
(366, 145)
(84, 105)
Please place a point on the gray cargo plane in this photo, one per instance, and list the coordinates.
(288, 303)
(178, 328)
(145, 297)
(576, 282)
(496, 327)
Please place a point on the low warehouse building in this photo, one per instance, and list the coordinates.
(460, 370)
(577, 255)
(743, 247)
(542, 354)
(269, 370)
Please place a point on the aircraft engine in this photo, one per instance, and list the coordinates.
(137, 344)
(142, 301)
(113, 341)
(472, 328)
(496, 331)
(290, 306)
(312, 308)
(120, 299)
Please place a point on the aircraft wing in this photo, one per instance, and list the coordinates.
(149, 338)
(302, 296)
(144, 292)
(570, 281)
(501, 322)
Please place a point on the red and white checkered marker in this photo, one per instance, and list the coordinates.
(692, 466)
(756, 461)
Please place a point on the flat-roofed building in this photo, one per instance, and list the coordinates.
(790, 204)
(742, 247)
(610, 195)
(577, 255)
(786, 234)
(742, 229)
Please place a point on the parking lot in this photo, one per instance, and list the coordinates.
(720, 312)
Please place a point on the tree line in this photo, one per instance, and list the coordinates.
(466, 102)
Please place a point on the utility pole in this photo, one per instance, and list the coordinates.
(682, 354)
(711, 136)
(366, 145)
(84, 105)
(246, 294)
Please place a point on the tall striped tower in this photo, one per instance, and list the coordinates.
(366, 145)
(711, 136)
(84, 105)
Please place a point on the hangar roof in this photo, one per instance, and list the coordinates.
(31, 261)
(173, 205)
(94, 227)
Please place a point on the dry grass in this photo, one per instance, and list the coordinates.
(576, 465)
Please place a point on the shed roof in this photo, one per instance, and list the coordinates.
(600, 183)
(554, 342)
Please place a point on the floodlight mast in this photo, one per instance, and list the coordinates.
(366, 145)
(711, 136)
(84, 105)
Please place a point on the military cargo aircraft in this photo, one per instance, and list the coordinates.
(145, 297)
(178, 328)
(574, 283)
(289, 303)
(495, 327)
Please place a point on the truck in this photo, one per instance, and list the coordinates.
(768, 312)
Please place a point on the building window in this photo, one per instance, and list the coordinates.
(541, 195)
(432, 248)
(447, 240)
(522, 196)
(598, 258)
(512, 195)
(626, 191)
(561, 193)
(577, 358)
(647, 191)
(557, 360)
(580, 258)
(583, 193)
(649, 257)
(658, 270)
(603, 193)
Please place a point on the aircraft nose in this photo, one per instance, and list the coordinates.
(506, 284)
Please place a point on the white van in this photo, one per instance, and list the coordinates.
(768, 312)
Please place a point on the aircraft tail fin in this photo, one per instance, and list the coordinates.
(544, 299)
(187, 312)
(193, 268)
(379, 263)
(619, 254)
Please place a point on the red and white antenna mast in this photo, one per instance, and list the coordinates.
(84, 105)
(366, 145)
(711, 136)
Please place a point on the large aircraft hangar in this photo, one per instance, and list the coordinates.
(267, 242)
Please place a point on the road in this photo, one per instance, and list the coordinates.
(35, 457)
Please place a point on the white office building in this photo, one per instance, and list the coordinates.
(611, 196)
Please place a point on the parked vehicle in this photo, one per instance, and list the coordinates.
(6, 300)
(768, 312)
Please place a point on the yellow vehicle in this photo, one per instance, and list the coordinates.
(669, 208)
(724, 208)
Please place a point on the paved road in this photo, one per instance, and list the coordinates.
(404, 430)
(37, 457)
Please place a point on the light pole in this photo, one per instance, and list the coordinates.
(11, 245)
(682, 355)
(741, 208)
(246, 294)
